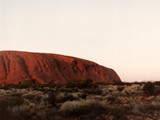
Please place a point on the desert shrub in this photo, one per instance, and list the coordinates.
(120, 88)
(7, 103)
(83, 95)
(81, 84)
(51, 98)
(119, 112)
(38, 99)
(69, 96)
(11, 101)
(81, 107)
(118, 83)
(64, 89)
(157, 83)
(71, 84)
(33, 111)
(110, 91)
(157, 90)
(34, 96)
(97, 91)
(85, 84)
(94, 91)
(149, 88)
(17, 95)
(15, 101)
(29, 97)
(111, 99)
(144, 108)
(62, 97)
(50, 85)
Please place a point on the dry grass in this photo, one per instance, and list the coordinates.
(81, 107)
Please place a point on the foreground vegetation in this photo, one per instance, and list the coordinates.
(83, 100)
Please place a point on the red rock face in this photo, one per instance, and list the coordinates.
(18, 67)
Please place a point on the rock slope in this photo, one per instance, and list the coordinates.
(19, 67)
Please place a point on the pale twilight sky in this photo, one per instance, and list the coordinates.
(120, 34)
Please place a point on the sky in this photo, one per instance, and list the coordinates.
(119, 34)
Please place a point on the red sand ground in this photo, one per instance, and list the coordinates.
(17, 67)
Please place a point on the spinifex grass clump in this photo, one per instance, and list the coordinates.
(81, 107)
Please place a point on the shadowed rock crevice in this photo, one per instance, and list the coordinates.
(18, 67)
(23, 64)
(3, 70)
(7, 64)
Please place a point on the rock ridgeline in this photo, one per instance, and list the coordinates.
(18, 67)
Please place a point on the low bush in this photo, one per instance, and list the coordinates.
(51, 98)
(7, 103)
(157, 90)
(81, 84)
(93, 91)
(119, 112)
(85, 84)
(81, 107)
(149, 88)
(112, 99)
(120, 88)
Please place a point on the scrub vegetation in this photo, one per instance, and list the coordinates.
(82, 100)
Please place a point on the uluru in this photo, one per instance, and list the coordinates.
(18, 67)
